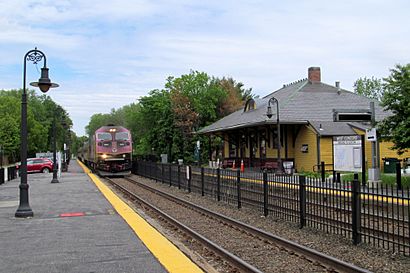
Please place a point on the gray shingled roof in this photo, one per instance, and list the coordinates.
(302, 102)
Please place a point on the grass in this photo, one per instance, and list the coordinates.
(387, 179)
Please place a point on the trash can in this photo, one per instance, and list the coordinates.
(390, 164)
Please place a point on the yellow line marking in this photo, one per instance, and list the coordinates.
(167, 253)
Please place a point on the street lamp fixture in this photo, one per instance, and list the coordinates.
(269, 115)
(44, 83)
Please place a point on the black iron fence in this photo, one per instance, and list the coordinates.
(11, 174)
(1, 176)
(378, 216)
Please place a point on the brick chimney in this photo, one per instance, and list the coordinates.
(314, 74)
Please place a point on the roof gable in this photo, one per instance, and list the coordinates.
(300, 102)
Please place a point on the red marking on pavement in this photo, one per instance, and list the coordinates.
(72, 214)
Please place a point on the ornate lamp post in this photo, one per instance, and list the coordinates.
(64, 155)
(54, 180)
(44, 83)
(269, 115)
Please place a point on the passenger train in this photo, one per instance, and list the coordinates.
(108, 152)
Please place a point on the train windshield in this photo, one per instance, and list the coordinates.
(121, 136)
(104, 136)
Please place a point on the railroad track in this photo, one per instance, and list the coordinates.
(263, 243)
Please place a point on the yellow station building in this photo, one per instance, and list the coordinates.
(314, 124)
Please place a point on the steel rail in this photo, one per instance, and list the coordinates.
(329, 261)
(233, 260)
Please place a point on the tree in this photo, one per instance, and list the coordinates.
(371, 88)
(396, 98)
(165, 121)
(236, 95)
(156, 130)
(40, 112)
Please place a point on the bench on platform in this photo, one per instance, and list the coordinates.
(227, 163)
(269, 166)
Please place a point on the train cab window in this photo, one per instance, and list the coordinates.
(104, 136)
(121, 136)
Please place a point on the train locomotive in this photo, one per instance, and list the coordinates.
(109, 151)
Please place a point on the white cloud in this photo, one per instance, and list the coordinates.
(108, 54)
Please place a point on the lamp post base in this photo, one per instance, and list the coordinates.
(55, 180)
(24, 212)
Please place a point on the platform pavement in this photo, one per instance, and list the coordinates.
(99, 241)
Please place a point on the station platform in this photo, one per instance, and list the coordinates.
(79, 225)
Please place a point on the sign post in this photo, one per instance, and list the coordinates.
(371, 135)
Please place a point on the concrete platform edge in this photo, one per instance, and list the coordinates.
(167, 253)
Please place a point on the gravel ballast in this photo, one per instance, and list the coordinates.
(363, 255)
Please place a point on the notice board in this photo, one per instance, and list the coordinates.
(347, 153)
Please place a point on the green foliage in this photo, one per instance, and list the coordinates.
(77, 142)
(41, 111)
(313, 174)
(371, 88)
(9, 124)
(165, 121)
(387, 179)
(396, 128)
(116, 117)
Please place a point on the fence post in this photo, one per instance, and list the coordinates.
(334, 176)
(322, 170)
(162, 173)
(218, 184)
(157, 172)
(134, 167)
(362, 137)
(356, 212)
(202, 181)
(338, 178)
(398, 175)
(170, 175)
(302, 200)
(154, 169)
(189, 172)
(238, 185)
(1, 176)
(179, 176)
(265, 193)
(144, 169)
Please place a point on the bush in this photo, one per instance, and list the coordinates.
(387, 179)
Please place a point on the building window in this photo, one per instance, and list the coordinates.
(262, 147)
(275, 138)
(232, 147)
(304, 148)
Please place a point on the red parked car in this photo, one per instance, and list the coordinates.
(38, 165)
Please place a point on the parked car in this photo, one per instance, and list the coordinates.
(38, 165)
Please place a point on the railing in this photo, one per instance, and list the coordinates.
(11, 174)
(378, 216)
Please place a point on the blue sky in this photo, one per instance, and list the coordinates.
(107, 54)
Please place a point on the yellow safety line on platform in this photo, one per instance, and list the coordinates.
(167, 253)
